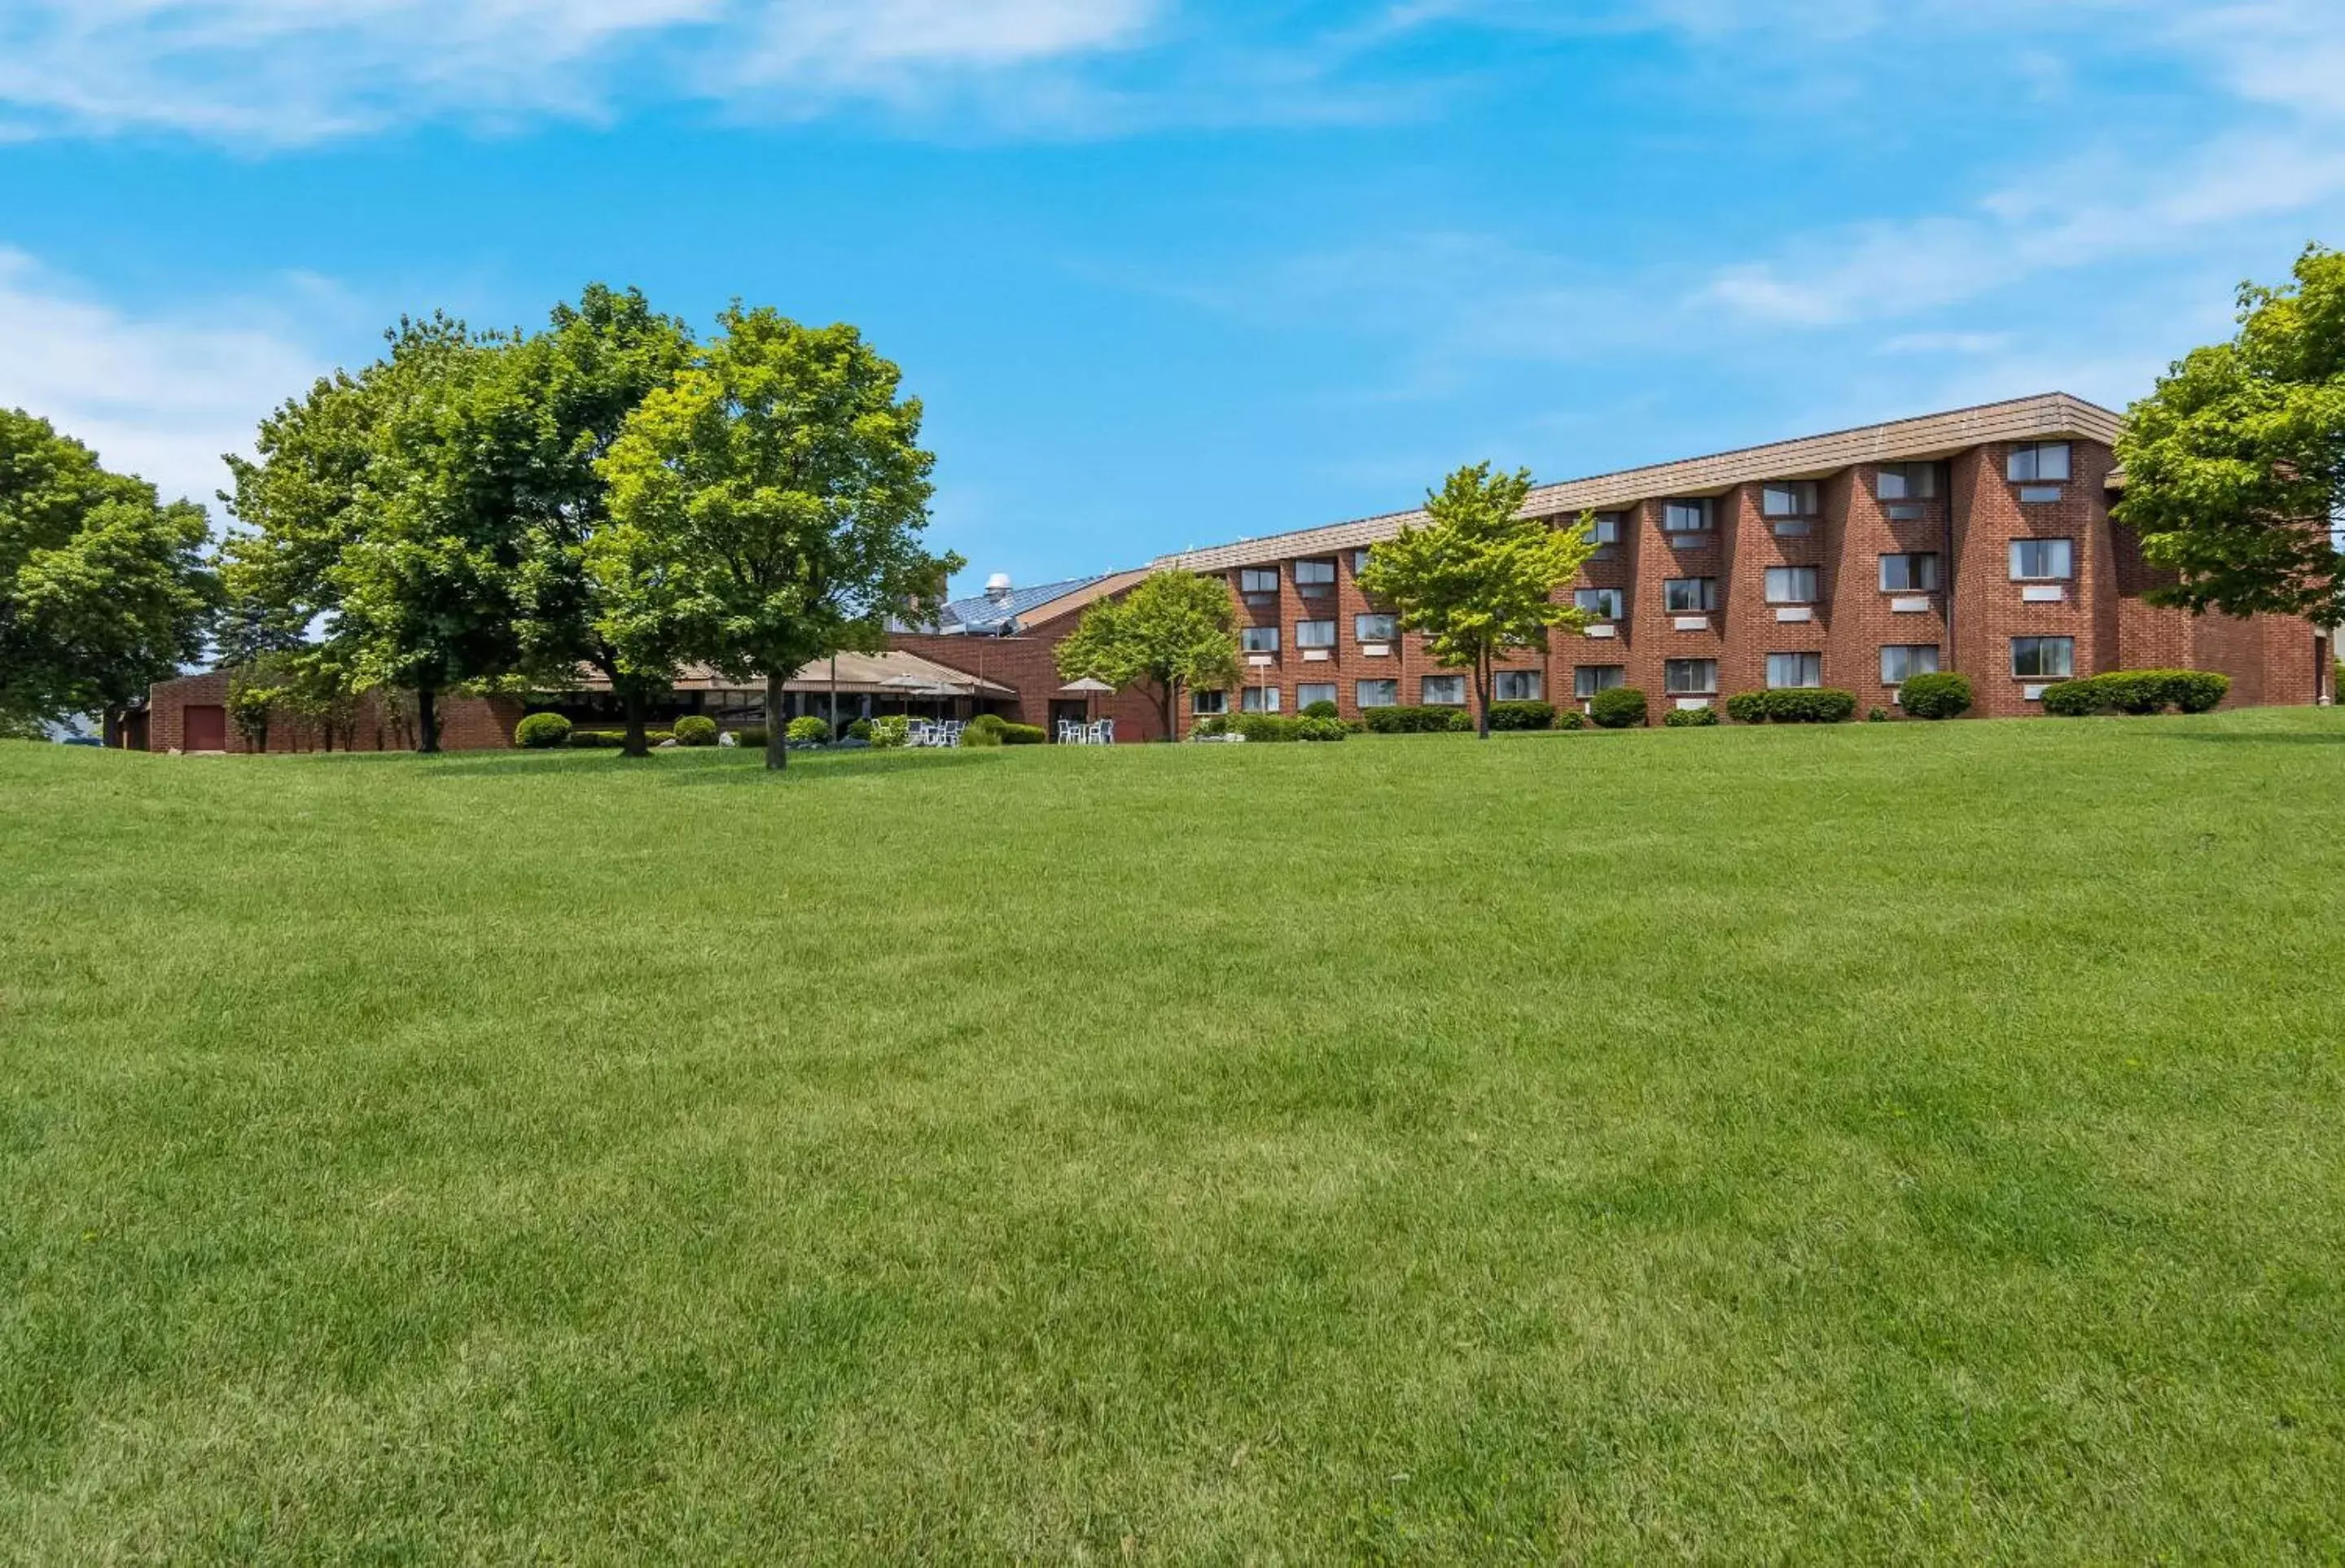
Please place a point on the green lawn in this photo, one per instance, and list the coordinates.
(1886, 1142)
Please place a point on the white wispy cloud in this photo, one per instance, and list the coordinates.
(160, 395)
(291, 71)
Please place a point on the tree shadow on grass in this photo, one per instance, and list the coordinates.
(699, 765)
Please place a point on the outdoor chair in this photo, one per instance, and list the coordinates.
(1102, 732)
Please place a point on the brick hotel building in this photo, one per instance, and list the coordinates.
(1978, 541)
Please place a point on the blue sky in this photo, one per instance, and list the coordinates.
(1173, 272)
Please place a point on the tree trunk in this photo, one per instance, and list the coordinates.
(427, 723)
(1482, 690)
(632, 696)
(1166, 703)
(777, 751)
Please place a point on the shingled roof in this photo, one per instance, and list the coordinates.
(2048, 417)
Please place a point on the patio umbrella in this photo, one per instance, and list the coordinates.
(921, 686)
(1088, 688)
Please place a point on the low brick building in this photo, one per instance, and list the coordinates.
(1978, 541)
(190, 715)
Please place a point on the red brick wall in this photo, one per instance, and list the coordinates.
(466, 724)
(1029, 663)
(1971, 618)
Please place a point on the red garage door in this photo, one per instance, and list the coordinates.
(203, 727)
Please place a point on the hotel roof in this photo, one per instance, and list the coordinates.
(2049, 416)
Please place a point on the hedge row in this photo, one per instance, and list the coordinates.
(1418, 721)
(1793, 705)
(1522, 715)
(1700, 718)
(1272, 728)
(2137, 692)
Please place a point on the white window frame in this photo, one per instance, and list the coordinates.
(1315, 633)
(1425, 699)
(1387, 693)
(1669, 682)
(2068, 564)
(1705, 595)
(2034, 462)
(1258, 700)
(1933, 574)
(1301, 699)
(1698, 506)
(2040, 644)
(1815, 659)
(1790, 579)
(1909, 657)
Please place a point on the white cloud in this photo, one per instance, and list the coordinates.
(287, 71)
(162, 397)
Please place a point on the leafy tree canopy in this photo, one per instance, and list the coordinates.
(1478, 579)
(2235, 465)
(103, 589)
(1175, 629)
(769, 503)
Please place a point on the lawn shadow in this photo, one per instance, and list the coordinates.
(698, 765)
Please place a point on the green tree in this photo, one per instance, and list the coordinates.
(587, 372)
(1175, 629)
(1480, 579)
(2235, 464)
(103, 589)
(767, 505)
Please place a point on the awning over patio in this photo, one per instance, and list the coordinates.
(888, 675)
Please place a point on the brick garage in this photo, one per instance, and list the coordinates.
(466, 724)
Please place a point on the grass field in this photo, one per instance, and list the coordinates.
(1893, 1142)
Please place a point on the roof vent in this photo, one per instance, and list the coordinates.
(997, 587)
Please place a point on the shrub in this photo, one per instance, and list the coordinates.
(1793, 705)
(2075, 699)
(1939, 695)
(1689, 718)
(985, 723)
(1320, 710)
(597, 739)
(540, 731)
(807, 730)
(1023, 734)
(1319, 727)
(696, 730)
(1419, 721)
(1266, 727)
(1571, 719)
(972, 736)
(1212, 727)
(860, 730)
(890, 731)
(1522, 715)
(2137, 692)
(1876, 715)
(1620, 708)
(751, 735)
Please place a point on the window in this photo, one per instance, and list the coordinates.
(1906, 511)
(1907, 481)
(1589, 679)
(1689, 595)
(2037, 460)
(1915, 572)
(1315, 633)
(1312, 692)
(1359, 561)
(1605, 527)
(1690, 677)
(1603, 603)
(1791, 498)
(1517, 686)
(2044, 658)
(1258, 639)
(1314, 576)
(1375, 628)
(1206, 703)
(1795, 669)
(1899, 660)
(2043, 559)
(1258, 579)
(1442, 692)
(1791, 585)
(1259, 700)
(1685, 516)
(1377, 693)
